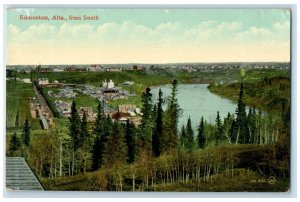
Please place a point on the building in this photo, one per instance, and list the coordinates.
(26, 80)
(125, 109)
(64, 108)
(109, 84)
(110, 92)
(88, 112)
(43, 81)
(137, 67)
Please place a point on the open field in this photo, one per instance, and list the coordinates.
(17, 94)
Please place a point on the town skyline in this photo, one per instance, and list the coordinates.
(148, 36)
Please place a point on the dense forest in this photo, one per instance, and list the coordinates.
(243, 148)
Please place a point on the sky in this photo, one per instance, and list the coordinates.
(148, 36)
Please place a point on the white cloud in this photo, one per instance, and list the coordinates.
(129, 40)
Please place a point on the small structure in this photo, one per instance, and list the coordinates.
(125, 109)
(26, 80)
(88, 112)
(110, 92)
(43, 81)
(109, 84)
(137, 67)
(64, 108)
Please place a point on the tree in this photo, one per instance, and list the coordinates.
(74, 127)
(85, 145)
(189, 135)
(83, 133)
(227, 127)
(26, 133)
(101, 131)
(147, 123)
(170, 137)
(130, 140)
(252, 125)
(219, 129)
(74, 132)
(158, 129)
(115, 148)
(14, 145)
(183, 137)
(201, 135)
(242, 134)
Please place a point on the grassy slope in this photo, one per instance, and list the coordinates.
(265, 95)
(245, 176)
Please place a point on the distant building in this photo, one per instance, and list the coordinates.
(64, 108)
(26, 80)
(87, 110)
(137, 67)
(124, 109)
(110, 92)
(43, 81)
(109, 84)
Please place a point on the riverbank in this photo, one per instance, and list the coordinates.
(270, 94)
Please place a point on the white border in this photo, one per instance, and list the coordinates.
(159, 4)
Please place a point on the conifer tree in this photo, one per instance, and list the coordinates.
(130, 140)
(147, 123)
(242, 135)
(74, 132)
(74, 127)
(183, 137)
(201, 135)
(14, 144)
(85, 145)
(84, 134)
(26, 133)
(170, 137)
(158, 129)
(219, 130)
(227, 127)
(115, 149)
(189, 134)
(100, 137)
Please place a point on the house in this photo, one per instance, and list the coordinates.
(64, 108)
(26, 80)
(137, 67)
(125, 109)
(109, 84)
(87, 110)
(43, 81)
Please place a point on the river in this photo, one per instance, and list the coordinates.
(195, 100)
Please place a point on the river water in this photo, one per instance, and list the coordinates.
(195, 100)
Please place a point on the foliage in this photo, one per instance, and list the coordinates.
(158, 129)
(201, 140)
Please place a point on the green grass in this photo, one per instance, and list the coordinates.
(17, 94)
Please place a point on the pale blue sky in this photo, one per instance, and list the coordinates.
(149, 36)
